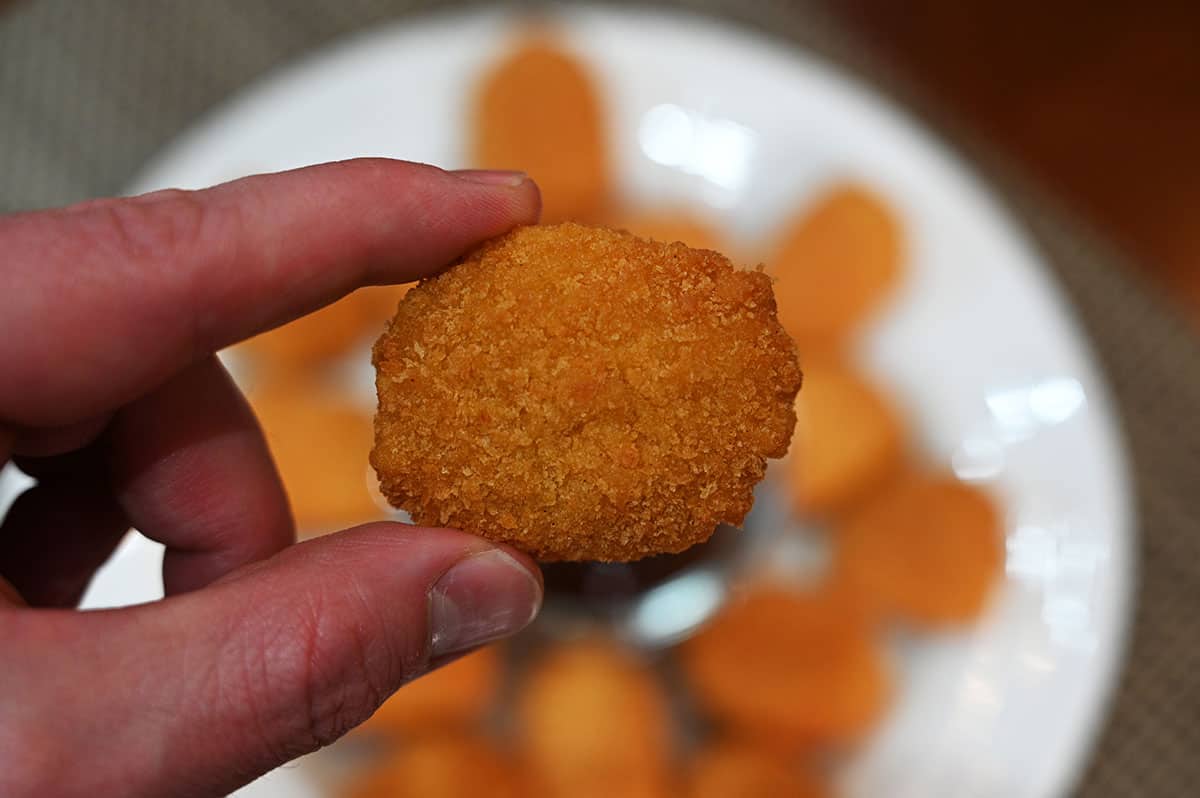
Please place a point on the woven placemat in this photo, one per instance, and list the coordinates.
(89, 90)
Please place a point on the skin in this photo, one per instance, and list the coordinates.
(111, 397)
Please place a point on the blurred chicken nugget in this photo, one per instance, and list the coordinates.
(319, 441)
(849, 439)
(594, 723)
(928, 549)
(440, 767)
(790, 668)
(457, 695)
(583, 394)
(538, 111)
(326, 333)
(731, 769)
(835, 264)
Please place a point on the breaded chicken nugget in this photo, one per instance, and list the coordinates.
(737, 769)
(457, 695)
(583, 394)
(928, 549)
(790, 668)
(318, 441)
(441, 767)
(835, 264)
(593, 722)
(849, 439)
(538, 111)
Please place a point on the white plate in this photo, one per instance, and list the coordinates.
(979, 344)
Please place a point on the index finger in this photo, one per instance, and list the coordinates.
(105, 300)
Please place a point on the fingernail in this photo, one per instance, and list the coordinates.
(492, 177)
(481, 598)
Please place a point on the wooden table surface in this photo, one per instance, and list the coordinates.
(1100, 102)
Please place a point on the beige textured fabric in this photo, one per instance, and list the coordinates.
(89, 89)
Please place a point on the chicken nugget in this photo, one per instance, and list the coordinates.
(928, 550)
(583, 394)
(457, 695)
(593, 722)
(793, 669)
(441, 767)
(737, 769)
(834, 265)
(849, 439)
(319, 441)
(539, 111)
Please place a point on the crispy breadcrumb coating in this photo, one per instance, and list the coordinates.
(583, 394)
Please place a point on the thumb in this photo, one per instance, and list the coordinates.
(203, 692)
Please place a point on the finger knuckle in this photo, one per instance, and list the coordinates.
(157, 228)
(323, 679)
(338, 684)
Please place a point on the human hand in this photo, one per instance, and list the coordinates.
(112, 398)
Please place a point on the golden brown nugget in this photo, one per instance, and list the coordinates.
(928, 549)
(593, 722)
(319, 442)
(835, 264)
(583, 394)
(441, 767)
(849, 439)
(538, 111)
(793, 669)
(457, 695)
(737, 769)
